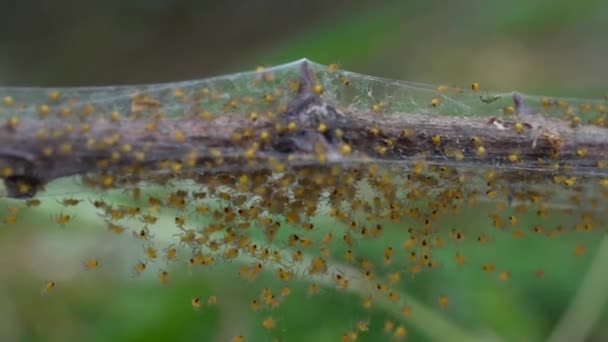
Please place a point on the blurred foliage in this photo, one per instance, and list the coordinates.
(546, 47)
(550, 47)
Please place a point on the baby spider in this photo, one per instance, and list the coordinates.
(62, 219)
(269, 323)
(151, 252)
(163, 276)
(170, 253)
(69, 202)
(143, 234)
(48, 286)
(91, 264)
(34, 202)
(196, 303)
(139, 268)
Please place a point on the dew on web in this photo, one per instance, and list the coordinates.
(308, 182)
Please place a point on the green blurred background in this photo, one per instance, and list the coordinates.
(555, 47)
(550, 46)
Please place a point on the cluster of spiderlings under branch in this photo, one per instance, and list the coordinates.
(298, 171)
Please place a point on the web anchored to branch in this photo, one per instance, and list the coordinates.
(295, 115)
(292, 168)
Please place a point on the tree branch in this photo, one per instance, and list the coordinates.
(311, 132)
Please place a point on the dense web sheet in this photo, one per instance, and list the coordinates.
(307, 172)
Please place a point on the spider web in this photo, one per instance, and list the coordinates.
(270, 89)
(342, 88)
